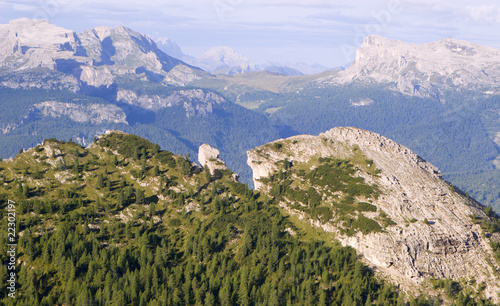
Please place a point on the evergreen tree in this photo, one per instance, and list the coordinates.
(208, 175)
(139, 196)
(136, 153)
(100, 181)
(156, 149)
(120, 200)
(76, 166)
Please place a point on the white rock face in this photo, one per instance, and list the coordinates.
(210, 157)
(93, 113)
(124, 47)
(97, 76)
(194, 101)
(95, 57)
(223, 60)
(182, 75)
(44, 79)
(450, 246)
(423, 69)
(28, 43)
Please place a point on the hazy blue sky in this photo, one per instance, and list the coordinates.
(311, 31)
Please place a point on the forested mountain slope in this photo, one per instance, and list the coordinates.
(122, 222)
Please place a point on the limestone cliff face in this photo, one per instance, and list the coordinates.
(30, 43)
(194, 101)
(93, 113)
(182, 75)
(97, 76)
(424, 69)
(447, 245)
(41, 79)
(95, 57)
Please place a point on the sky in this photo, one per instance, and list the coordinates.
(310, 31)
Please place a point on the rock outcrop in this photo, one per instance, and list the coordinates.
(210, 157)
(97, 76)
(93, 113)
(433, 235)
(195, 101)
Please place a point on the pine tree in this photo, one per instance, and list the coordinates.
(128, 193)
(118, 298)
(243, 290)
(208, 175)
(225, 292)
(19, 189)
(488, 211)
(76, 166)
(120, 200)
(322, 298)
(100, 181)
(143, 168)
(139, 196)
(84, 297)
(156, 149)
(26, 190)
(136, 154)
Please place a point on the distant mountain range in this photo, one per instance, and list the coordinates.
(98, 57)
(440, 99)
(224, 60)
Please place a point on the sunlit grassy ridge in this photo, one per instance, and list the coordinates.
(122, 223)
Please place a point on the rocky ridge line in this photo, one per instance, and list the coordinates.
(448, 245)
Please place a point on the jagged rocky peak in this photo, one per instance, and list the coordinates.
(92, 58)
(424, 69)
(28, 43)
(381, 199)
(125, 47)
(210, 157)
